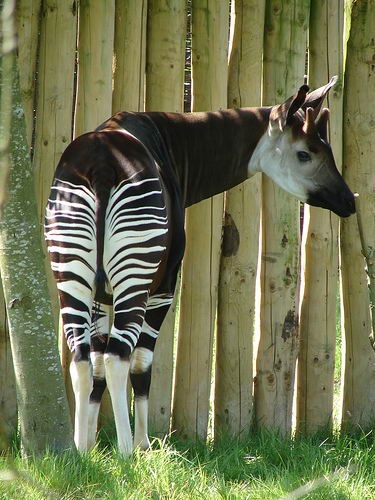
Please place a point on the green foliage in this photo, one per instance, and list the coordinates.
(262, 466)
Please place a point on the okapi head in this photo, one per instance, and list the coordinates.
(296, 154)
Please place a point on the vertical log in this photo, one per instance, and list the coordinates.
(164, 92)
(210, 22)
(238, 267)
(8, 44)
(55, 90)
(95, 49)
(28, 25)
(8, 400)
(53, 132)
(130, 55)
(284, 61)
(316, 360)
(165, 60)
(94, 102)
(358, 168)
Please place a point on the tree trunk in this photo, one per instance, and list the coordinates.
(42, 407)
(284, 62)
(200, 271)
(130, 55)
(164, 92)
(239, 262)
(316, 362)
(359, 149)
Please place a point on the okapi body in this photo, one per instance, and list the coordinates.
(115, 228)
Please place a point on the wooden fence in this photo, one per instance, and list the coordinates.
(254, 295)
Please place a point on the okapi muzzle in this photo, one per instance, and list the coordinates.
(330, 190)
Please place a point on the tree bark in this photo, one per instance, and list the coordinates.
(42, 407)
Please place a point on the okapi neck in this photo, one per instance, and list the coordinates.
(208, 153)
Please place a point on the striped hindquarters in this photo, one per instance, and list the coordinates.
(135, 240)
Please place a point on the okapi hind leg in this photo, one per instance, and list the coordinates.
(99, 339)
(141, 364)
(82, 383)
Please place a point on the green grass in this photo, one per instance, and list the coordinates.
(262, 467)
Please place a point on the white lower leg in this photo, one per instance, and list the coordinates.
(92, 424)
(94, 406)
(141, 439)
(81, 376)
(141, 362)
(117, 371)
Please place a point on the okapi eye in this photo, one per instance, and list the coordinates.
(303, 156)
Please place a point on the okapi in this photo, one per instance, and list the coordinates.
(115, 228)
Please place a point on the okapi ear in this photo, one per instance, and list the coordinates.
(315, 98)
(281, 115)
(322, 124)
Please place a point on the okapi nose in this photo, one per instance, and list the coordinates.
(348, 201)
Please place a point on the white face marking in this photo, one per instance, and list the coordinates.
(276, 156)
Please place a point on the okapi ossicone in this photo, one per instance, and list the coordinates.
(115, 228)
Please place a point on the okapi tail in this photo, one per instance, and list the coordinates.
(103, 179)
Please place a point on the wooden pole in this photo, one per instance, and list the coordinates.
(316, 362)
(8, 400)
(239, 262)
(54, 110)
(129, 55)
(165, 60)
(8, 45)
(28, 25)
(284, 64)
(53, 132)
(94, 105)
(358, 168)
(164, 92)
(210, 22)
(54, 104)
(95, 49)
